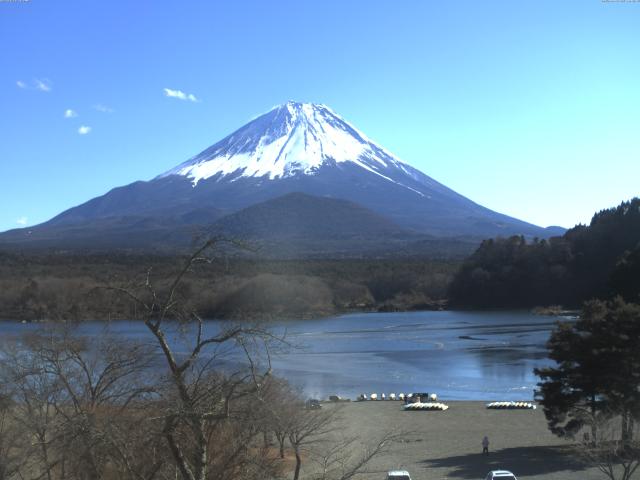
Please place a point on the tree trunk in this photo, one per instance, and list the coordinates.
(624, 418)
(181, 462)
(594, 422)
(201, 453)
(42, 438)
(296, 474)
(281, 439)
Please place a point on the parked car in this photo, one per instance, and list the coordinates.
(313, 404)
(398, 475)
(500, 475)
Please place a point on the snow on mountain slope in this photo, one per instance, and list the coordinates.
(294, 148)
(291, 139)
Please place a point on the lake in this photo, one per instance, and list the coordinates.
(458, 355)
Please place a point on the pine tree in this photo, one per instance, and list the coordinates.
(597, 371)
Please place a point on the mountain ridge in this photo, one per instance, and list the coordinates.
(295, 147)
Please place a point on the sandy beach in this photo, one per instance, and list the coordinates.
(447, 445)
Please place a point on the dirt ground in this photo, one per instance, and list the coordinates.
(448, 444)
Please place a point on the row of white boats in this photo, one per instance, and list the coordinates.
(425, 401)
(493, 405)
(401, 396)
(426, 406)
(512, 405)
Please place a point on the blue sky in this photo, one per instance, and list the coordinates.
(529, 108)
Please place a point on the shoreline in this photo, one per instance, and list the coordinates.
(439, 306)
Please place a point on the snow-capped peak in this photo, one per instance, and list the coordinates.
(291, 139)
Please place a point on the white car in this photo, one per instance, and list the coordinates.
(398, 475)
(500, 475)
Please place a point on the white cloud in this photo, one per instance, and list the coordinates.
(43, 85)
(180, 95)
(84, 129)
(103, 108)
(22, 221)
(69, 113)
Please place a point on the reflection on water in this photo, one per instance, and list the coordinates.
(458, 355)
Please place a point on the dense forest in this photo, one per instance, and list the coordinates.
(595, 261)
(71, 286)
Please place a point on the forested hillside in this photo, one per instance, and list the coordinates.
(598, 260)
(64, 287)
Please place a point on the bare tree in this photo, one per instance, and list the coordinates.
(307, 429)
(278, 400)
(11, 459)
(347, 457)
(35, 396)
(74, 401)
(615, 454)
(317, 434)
(201, 404)
(98, 381)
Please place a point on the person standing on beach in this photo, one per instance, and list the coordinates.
(485, 445)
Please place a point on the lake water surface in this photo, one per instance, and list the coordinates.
(458, 355)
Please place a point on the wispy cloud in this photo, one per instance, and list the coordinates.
(69, 113)
(180, 95)
(103, 108)
(43, 84)
(84, 129)
(22, 221)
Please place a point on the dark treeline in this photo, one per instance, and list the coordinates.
(70, 286)
(595, 261)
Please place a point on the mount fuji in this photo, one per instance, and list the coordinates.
(300, 148)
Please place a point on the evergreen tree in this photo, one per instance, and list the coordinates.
(626, 277)
(597, 372)
(596, 261)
